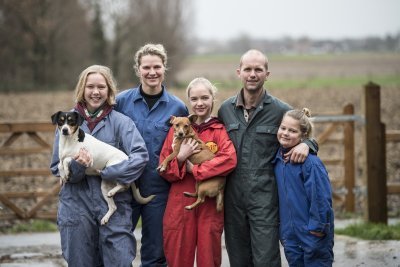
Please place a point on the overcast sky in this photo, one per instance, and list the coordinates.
(334, 19)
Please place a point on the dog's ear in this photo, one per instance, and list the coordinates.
(192, 118)
(79, 118)
(81, 135)
(171, 119)
(55, 116)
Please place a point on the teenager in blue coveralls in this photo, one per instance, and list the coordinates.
(150, 106)
(305, 198)
(84, 242)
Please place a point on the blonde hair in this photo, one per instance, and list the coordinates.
(303, 116)
(203, 81)
(106, 73)
(149, 49)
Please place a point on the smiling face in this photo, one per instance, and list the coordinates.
(96, 91)
(253, 72)
(201, 101)
(151, 73)
(289, 133)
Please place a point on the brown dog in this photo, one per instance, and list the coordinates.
(213, 187)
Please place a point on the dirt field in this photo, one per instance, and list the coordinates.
(39, 106)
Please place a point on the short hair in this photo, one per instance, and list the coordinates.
(303, 116)
(149, 49)
(254, 51)
(201, 80)
(108, 76)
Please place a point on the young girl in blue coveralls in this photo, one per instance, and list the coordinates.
(305, 198)
(84, 242)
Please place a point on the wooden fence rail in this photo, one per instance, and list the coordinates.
(15, 131)
(344, 120)
(49, 195)
(393, 136)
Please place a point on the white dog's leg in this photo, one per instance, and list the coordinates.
(118, 188)
(63, 168)
(66, 163)
(105, 187)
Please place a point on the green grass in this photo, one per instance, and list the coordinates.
(34, 225)
(314, 82)
(334, 82)
(273, 57)
(371, 231)
(367, 231)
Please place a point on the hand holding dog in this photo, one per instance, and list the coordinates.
(83, 157)
(188, 148)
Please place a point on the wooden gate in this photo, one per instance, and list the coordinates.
(12, 133)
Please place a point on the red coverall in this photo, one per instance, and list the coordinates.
(200, 229)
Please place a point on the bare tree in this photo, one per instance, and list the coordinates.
(40, 45)
(46, 43)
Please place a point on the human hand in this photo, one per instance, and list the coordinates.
(317, 234)
(188, 148)
(83, 157)
(297, 154)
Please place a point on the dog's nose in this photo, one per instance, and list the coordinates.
(180, 134)
(65, 131)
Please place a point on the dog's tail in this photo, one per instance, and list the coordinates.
(138, 197)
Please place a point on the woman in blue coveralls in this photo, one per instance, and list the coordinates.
(151, 106)
(305, 198)
(84, 242)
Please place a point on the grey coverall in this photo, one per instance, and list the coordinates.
(84, 242)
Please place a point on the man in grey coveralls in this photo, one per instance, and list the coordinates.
(252, 119)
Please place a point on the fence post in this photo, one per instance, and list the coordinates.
(375, 155)
(349, 169)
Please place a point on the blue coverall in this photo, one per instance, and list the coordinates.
(153, 125)
(305, 204)
(81, 204)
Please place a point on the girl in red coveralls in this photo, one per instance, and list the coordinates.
(197, 231)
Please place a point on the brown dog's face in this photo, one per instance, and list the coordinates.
(181, 126)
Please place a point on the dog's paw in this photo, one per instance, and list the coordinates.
(104, 221)
(63, 180)
(161, 168)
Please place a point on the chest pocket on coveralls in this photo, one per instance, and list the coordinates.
(266, 134)
(160, 134)
(233, 132)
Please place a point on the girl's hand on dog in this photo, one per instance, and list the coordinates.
(83, 157)
(188, 148)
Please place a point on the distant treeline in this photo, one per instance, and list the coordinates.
(304, 45)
